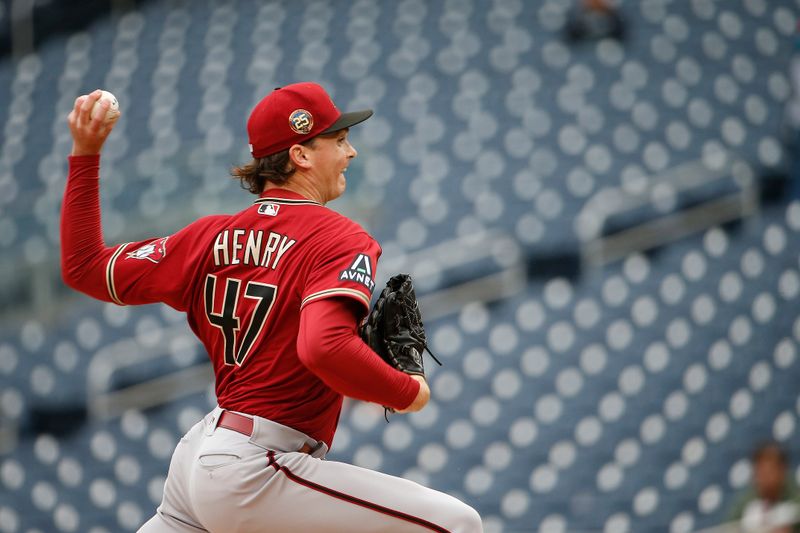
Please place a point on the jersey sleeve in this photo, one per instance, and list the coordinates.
(155, 270)
(344, 267)
(328, 344)
(159, 269)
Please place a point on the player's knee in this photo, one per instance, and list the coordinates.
(467, 520)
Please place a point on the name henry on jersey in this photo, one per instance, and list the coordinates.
(251, 247)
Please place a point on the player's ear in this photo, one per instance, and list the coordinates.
(300, 156)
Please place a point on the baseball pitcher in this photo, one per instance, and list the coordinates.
(276, 294)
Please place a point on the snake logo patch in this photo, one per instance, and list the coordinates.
(360, 271)
(301, 121)
(154, 251)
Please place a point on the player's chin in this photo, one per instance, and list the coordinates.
(336, 190)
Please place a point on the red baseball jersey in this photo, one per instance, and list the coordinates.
(242, 281)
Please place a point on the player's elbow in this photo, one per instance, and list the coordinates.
(311, 353)
(318, 341)
(71, 267)
(77, 278)
(309, 359)
(70, 275)
(315, 356)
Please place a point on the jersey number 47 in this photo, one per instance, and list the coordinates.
(229, 322)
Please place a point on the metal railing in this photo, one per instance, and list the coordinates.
(662, 193)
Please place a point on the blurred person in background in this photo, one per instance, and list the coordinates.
(772, 505)
(594, 20)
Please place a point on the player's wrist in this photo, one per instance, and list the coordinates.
(81, 150)
(420, 378)
(422, 397)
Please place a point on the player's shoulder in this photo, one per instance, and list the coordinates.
(213, 220)
(338, 230)
(202, 230)
(208, 223)
(341, 224)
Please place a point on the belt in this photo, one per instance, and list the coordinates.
(244, 425)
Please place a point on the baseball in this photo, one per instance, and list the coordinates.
(113, 111)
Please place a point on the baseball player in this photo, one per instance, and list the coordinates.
(275, 293)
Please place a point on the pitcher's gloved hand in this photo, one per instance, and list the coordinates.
(394, 328)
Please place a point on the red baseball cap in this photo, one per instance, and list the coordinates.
(294, 114)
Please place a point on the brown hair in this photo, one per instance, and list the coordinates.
(275, 168)
(772, 450)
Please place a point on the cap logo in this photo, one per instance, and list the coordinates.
(301, 121)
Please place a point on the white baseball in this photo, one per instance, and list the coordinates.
(113, 110)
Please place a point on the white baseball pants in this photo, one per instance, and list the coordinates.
(223, 481)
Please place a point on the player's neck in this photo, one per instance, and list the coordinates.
(300, 187)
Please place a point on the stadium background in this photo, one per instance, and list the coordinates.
(604, 234)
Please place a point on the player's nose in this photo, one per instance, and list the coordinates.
(352, 152)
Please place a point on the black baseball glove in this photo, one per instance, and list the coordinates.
(394, 329)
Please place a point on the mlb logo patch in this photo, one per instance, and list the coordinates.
(268, 209)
